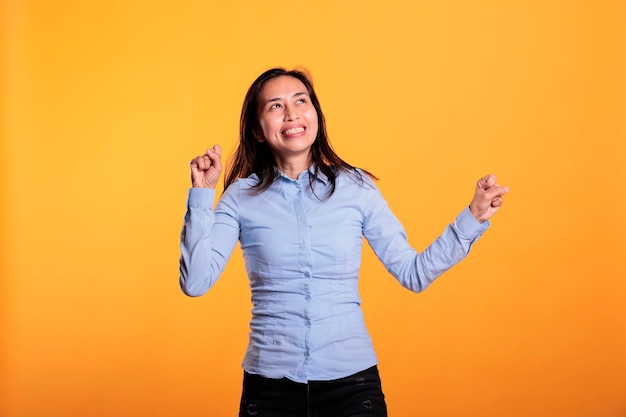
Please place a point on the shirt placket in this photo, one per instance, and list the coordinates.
(304, 266)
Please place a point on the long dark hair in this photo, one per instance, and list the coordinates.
(255, 157)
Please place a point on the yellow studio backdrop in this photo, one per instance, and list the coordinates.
(105, 102)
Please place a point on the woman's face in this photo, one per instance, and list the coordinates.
(287, 118)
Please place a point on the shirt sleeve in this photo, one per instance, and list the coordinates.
(416, 271)
(207, 239)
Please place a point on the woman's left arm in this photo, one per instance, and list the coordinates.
(417, 270)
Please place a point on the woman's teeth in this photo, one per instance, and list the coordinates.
(293, 130)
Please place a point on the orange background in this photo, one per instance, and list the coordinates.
(105, 102)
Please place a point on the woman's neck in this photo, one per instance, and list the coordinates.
(294, 167)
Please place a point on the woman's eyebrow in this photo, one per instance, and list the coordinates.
(298, 94)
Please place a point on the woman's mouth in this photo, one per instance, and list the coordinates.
(293, 131)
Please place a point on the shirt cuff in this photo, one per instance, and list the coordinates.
(469, 226)
(201, 197)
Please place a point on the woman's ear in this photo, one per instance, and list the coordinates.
(258, 134)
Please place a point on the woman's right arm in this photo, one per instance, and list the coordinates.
(208, 238)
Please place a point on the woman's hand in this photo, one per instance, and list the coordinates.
(487, 198)
(206, 169)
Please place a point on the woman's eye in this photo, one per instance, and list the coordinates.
(301, 100)
(275, 106)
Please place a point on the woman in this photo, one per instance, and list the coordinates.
(300, 212)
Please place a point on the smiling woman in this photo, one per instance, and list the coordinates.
(300, 214)
(288, 121)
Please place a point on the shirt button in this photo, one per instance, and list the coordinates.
(307, 297)
(306, 353)
(307, 323)
(307, 274)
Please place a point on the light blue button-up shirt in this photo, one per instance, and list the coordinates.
(302, 256)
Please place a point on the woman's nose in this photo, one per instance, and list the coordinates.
(290, 113)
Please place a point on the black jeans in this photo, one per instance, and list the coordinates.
(358, 395)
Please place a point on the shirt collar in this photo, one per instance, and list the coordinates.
(306, 174)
